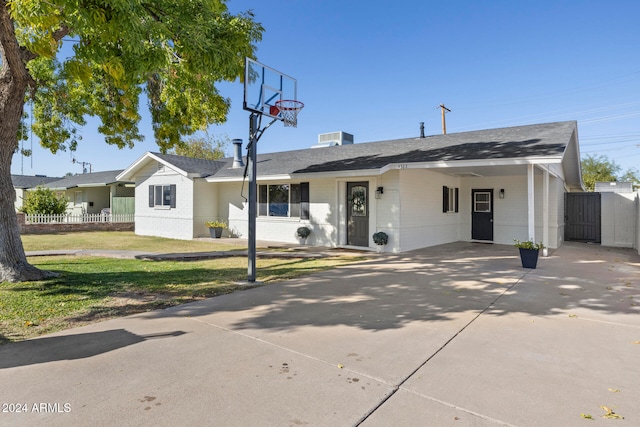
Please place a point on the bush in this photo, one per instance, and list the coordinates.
(43, 201)
(380, 238)
(303, 232)
(528, 244)
(216, 224)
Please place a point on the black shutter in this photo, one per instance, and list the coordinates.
(445, 199)
(173, 195)
(304, 200)
(151, 194)
(457, 199)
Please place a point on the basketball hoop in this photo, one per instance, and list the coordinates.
(289, 110)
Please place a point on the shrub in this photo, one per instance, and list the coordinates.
(303, 232)
(528, 244)
(216, 224)
(43, 201)
(380, 238)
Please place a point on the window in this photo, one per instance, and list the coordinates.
(284, 200)
(162, 196)
(450, 199)
(482, 202)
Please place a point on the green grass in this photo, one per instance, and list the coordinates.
(122, 240)
(91, 289)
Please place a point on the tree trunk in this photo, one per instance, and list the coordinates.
(14, 80)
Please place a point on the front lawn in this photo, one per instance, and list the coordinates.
(91, 289)
(123, 240)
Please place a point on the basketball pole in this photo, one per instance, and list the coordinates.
(253, 195)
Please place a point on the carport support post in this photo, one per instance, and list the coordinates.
(253, 196)
(530, 202)
(545, 210)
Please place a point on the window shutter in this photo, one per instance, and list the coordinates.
(151, 193)
(457, 199)
(445, 199)
(173, 195)
(304, 200)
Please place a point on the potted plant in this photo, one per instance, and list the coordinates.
(215, 228)
(380, 238)
(529, 251)
(303, 233)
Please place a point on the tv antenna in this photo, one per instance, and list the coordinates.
(84, 165)
(444, 121)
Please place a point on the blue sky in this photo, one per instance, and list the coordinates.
(377, 69)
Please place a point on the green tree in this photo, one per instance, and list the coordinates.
(202, 148)
(633, 176)
(599, 168)
(43, 201)
(175, 51)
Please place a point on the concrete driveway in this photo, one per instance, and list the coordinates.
(456, 335)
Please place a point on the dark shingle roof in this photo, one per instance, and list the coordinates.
(541, 140)
(201, 167)
(26, 181)
(86, 179)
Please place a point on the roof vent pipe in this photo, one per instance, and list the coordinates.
(421, 129)
(237, 154)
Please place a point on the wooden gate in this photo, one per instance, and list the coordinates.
(582, 217)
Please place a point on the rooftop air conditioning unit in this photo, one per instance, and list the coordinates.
(334, 138)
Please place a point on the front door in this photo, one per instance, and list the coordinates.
(482, 214)
(358, 213)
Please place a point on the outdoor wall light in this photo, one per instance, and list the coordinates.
(501, 194)
(379, 192)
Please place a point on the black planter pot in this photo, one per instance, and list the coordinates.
(529, 257)
(215, 232)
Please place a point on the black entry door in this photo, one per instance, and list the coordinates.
(358, 213)
(482, 214)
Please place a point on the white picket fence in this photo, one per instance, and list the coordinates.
(77, 218)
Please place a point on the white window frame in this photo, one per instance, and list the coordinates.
(477, 202)
(268, 201)
(452, 200)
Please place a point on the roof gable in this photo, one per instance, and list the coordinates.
(186, 166)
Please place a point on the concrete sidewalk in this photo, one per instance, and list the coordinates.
(456, 335)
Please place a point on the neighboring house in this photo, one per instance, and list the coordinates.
(92, 192)
(491, 185)
(22, 183)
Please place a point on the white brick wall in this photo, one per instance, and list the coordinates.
(510, 218)
(176, 223)
(205, 207)
(321, 211)
(422, 221)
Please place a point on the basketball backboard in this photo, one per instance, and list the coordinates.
(264, 86)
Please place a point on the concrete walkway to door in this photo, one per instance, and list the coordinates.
(456, 335)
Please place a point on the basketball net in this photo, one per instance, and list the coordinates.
(289, 111)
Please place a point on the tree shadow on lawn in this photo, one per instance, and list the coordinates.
(77, 298)
(104, 295)
(440, 284)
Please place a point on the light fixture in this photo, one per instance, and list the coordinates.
(379, 192)
(501, 194)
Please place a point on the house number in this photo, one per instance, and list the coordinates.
(403, 166)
